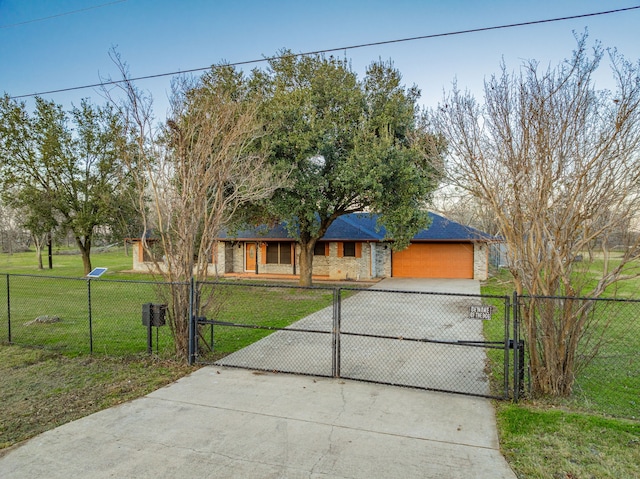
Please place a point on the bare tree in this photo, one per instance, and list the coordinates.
(464, 208)
(192, 176)
(557, 162)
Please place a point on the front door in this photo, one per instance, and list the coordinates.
(250, 257)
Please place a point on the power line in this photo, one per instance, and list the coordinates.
(339, 49)
(26, 22)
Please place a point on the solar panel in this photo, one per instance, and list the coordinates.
(97, 272)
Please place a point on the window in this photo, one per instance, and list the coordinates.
(272, 253)
(285, 253)
(278, 253)
(320, 249)
(349, 248)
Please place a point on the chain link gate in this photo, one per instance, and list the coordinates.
(434, 341)
(261, 334)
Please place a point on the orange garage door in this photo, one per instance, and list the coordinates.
(434, 260)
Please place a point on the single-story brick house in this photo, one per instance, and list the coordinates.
(354, 249)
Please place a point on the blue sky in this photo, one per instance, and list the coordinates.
(159, 36)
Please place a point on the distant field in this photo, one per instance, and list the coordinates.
(69, 263)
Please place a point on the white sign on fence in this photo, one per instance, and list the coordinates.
(481, 312)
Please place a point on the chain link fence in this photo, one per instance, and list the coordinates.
(82, 316)
(426, 340)
(607, 376)
(456, 343)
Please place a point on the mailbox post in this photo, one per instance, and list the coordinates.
(153, 315)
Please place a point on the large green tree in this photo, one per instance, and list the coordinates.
(351, 145)
(64, 168)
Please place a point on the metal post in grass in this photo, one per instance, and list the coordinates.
(334, 328)
(90, 318)
(337, 294)
(516, 351)
(95, 273)
(8, 311)
(192, 336)
(507, 308)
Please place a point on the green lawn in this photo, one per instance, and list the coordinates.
(250, 305)
(113, 324)
(68, 263)
(541, 441)
(610, 383)
(115, 319)
(577, 437)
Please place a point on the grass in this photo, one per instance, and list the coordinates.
(68, 264)
(115, 319)
(259, 305)
(114, 325)
(542, 442)
(577, 437)
(610, 383)
(42, 389)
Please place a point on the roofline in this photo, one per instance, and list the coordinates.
(256, 240)
(362, 240)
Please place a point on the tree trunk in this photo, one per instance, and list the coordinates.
(554, 328)
(306, 263)
(50, 250)
(86, 262)
(39, 254)
(85, 251)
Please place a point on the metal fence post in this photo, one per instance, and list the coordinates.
(507, 308)
(517, 373)
(191, 325)
(334, 328)
(336, 331)
(90, 318)
(8, 311)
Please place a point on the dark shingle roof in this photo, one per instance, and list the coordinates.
(362, 227)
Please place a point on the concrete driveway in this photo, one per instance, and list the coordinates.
(234, 423)
(390, 309)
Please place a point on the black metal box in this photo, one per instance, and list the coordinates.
(153, 314)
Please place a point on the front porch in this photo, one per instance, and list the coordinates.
(292, 278)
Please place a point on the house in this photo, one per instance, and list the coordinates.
(354, 248)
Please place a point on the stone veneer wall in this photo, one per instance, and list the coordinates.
(480, 261)
(231, 255)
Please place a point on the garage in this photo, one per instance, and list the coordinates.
(434, 260)
(444, 249)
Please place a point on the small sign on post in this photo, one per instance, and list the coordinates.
(481, 312)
